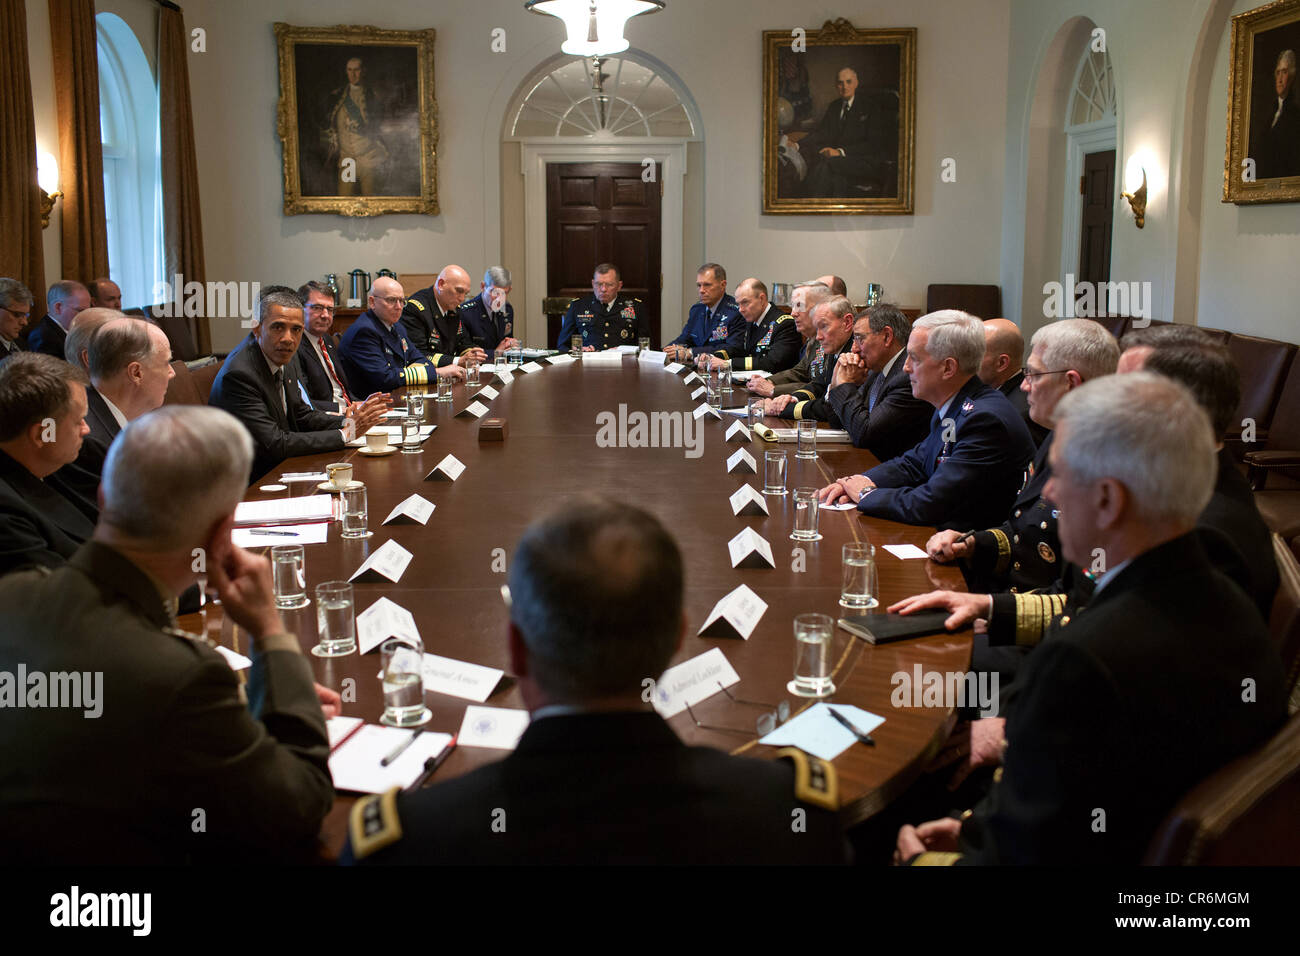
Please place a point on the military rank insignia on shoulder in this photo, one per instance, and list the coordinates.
(815, 781)
(374, 824)
(417, 303)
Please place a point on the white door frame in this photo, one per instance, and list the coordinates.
(669, 156)
(1079, 143)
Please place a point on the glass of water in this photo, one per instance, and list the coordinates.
(335, 620)
(858, 590)
(414, 405)
(805, 515)
(355, 513)
(444, 389)
(471, 375)
(755, 406)
(499, 357)
(806, 433)
(774, 472)
(643, 343)
(724, 380)
(410, 436)
(517, 356)
(289, 575)
(403, 677)
(812, 656)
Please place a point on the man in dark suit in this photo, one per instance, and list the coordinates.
(870, 393)
(322, 374)
(1100, 738)
(706, 323)
(1278, 152)
(488, 318)
(186, 768)
(432, 320)
(760, 339)
(1002, 368)
(600, 777)
(42, 423)
(966, 471)
(15, 308)
(833, 322)
(64, 301)
(258, 384)
(848, 146)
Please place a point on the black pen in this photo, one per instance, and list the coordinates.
(431, 765)
(280, 534)
(862, 738)
(401, 748)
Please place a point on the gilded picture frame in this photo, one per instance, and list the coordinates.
(1262, 156)
(357, 120)
(859, 154)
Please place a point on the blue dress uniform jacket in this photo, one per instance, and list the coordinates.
(485, 329)
(621, 322)
(967, 481)
(810, 400)
(1103, 737)
(437, 334)
(48, 338)
(608, 788)
(379, 359)
(891, 424)
(38, 525)
(703, 333)
(772, 344)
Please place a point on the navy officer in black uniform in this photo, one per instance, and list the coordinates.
(762, 339)
(488, 319)
(433, 324)
(600, 777)
(606, 318)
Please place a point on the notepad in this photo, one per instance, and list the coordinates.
(285, 510)
(355, 764)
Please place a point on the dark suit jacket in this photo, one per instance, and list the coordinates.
(244, 388)
(1235, 537)
(486, 329)
(965, 483)
(810, 398)
(612, 788)
(82, 476)
(1279, 147)
(1011, 389)
(173, 735)
(48, 337)
(1103, 715)
(851, 134)
(897, 422)
(9, 348)
(38, 525)
(314, 376)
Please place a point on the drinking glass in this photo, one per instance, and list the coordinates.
(517, 356)
(444, 389)
(858, 587)
(415, 405)
(410, 436)
(575, 345)
(472, 375)
(806, 511)
(812, 656)
(402, 659)
(355, 513)
(806, 433)
(643, 344)
(774, 472)
(336, 620)
(755, 412)
(289, 575)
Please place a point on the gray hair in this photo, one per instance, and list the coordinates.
(286, 298)
(1080, 344)
(62, 291)
(1163, 336)
(887, 314)
(719, 273)
(13, 292)
(1287, 57)
(496, 277)
(815, 293)
(956, 335)
(117, 345)
(83, 331)
(837, 306)
(173, 473)
(1148, 433)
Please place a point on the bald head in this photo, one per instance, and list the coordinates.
(452, 287)
(835, 284)
(1004, 352)
(386, 300)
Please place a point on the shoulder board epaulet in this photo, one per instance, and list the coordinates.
(784, 318)
(373, 824)
(417, 303)
(814, 779)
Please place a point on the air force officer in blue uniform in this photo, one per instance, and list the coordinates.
(707, 322)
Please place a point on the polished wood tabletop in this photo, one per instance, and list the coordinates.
(453, 583)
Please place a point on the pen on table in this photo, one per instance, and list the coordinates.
(281, 534)
(431, 765)
(401, 748)
(848, 724)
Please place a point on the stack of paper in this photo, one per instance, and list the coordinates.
(285, 510)
(394, 433)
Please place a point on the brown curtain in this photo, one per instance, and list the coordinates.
(182, 223)
(22, 255)
(81, 157)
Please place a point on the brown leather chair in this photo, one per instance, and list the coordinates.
(1264, 364)
(204, 372)
(182, 390)
(1242, 815)
(984, 301)
(554, 307)
(1277, 451)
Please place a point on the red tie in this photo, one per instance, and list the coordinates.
(333, 374)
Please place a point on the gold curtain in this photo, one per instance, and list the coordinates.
(22, 255)
(182, 222)
(81, 157)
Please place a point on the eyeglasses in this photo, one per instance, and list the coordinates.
(393, 299)
(765, 724)
(318, 307)
(16, 315)
(1033, 375)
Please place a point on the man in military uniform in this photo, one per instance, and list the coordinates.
(599, 776)
(762, 339)
(488, 319)
(375, 352)
(706, 324)
(803, 299)
(606, 318)
(162, 759)
(833, 321)
(432, 320)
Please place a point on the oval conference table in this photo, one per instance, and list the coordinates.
(452, 585)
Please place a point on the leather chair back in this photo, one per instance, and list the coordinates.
(181, 390)
(1284, 622)
(1264, 364)
(984, 301)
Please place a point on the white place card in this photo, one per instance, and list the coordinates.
(736, 615)
(693, 377)
(388, 561)
(652, 356)
(449, 469)
(528, 367)
(742, 463)
(497, 727)
(382, 620)
(905, 552)
(739, 432)
(443, 675)
(693, 681)
(503, 376)
(488, 392)
(703, 410)
(236, 660)
(473, 410)
(612, 358)
(412, 510)
(628, 349)
(561, 360)
(674, 367)
(749, 549)
(747, 501)
(699, 391)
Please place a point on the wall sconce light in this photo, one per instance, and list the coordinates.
(594, 27)
(47, 175)
(1137, 195)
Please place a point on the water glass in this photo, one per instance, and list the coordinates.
(755, 412)
(355, 513)
(402, 659)
(774, 472)
(444, 389)
(517, 356)
(575, 345)
(806, 433)
(499, 358)
(724, 380)
(806, 511)
(289, 576)
(643, 343)
(812, 656)
(858, 587)
(415, 405)
(472, 375)
(410, 436)
(336, 620)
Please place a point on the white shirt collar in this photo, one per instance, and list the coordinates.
(884, 372)
(117, 412)
(1109, 576)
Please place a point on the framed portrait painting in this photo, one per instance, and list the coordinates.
(1262, 159)
(839, 120)
(358, 120)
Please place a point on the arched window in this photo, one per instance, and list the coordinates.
(1091, 131)
(1093, 100)
(128, 122)
(602, 96)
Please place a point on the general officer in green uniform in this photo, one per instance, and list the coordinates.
(606, 318)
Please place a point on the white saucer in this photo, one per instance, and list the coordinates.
(326, 486)
(376, 452)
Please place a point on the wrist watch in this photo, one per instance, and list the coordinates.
(865, 491)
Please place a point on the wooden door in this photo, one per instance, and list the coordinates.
(1098, 189)
(602, 212)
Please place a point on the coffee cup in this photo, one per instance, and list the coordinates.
(376, 440)
(340, 474)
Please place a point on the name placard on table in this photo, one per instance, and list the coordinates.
(674, 367)
(693, 681)
(388, 561)
(736, 615)
(444, 675)
(658, 358)
(488, 392)
(749, 549)
(529, 367)
(699, 391)
(703, 410)
(412, 510)
(742, 463)
(747, 501)
(473, 410)
(739, 432)
(693, 377)
(449, 469)
(382, 620)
